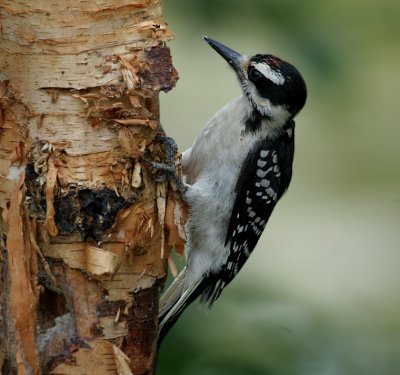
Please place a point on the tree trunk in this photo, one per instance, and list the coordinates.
(83, 255)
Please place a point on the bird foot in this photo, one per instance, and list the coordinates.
(168, 167)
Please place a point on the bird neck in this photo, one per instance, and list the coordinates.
(264, 124)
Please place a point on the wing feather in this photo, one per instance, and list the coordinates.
(265, 176)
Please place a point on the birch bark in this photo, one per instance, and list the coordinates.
(83, 241)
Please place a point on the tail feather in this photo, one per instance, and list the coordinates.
(172, 294)
(174, 302)
(179, 296)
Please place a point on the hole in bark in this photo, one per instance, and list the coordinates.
(90, 212)
(51, 306)
(35, 197)
(7, 367)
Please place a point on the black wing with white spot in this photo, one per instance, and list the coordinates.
(264, 178)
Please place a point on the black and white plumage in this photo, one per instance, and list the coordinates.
(236, 171)
(265, 176)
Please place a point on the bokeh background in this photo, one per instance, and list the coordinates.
(321, 293)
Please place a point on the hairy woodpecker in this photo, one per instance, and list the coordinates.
(236, 171)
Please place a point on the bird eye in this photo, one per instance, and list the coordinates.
(254, 74)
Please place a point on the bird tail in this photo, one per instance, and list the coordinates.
(173, 302)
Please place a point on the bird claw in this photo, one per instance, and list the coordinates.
(163, 167)
(170, 148)
(169, 166)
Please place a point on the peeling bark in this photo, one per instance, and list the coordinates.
(85, 229)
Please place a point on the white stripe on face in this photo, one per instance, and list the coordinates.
(269, 73)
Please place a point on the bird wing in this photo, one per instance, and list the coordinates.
(265, 176)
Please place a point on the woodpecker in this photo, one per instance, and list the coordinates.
(236, 171)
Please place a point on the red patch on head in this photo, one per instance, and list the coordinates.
(274, 61)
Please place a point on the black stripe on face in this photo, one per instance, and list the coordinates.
(291, 94)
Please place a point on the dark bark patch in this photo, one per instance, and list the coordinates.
(109, 308)
(158, 73)
(139, 345)
(51, 306)
(90, 212)
(34, 193)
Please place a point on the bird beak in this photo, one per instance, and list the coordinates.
(234, 59)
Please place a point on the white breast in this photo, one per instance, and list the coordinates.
(212, 166)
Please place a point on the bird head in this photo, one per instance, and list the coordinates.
(274, 88)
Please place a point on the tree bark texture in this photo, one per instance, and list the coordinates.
(85, 227)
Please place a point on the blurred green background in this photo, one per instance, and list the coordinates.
(321, 293)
